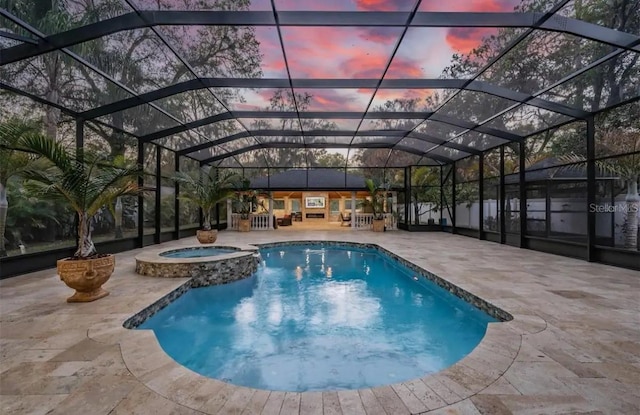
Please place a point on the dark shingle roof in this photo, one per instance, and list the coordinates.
(326, 179)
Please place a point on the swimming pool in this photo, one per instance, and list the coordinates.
(197, 252)
(320, 318)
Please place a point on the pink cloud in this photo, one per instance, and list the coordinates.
(465, 39)
(334, 52)
(468, 5)
(337, 99)
(385, 5)
(379, 34)
(368, 66)
(391, 94)
(404, 68)
(326, 5)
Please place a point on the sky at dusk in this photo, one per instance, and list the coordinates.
(355, 52)
(364, 52)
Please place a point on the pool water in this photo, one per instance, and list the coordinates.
(197, 252)
(319, 319)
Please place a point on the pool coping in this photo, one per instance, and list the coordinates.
(481, 368)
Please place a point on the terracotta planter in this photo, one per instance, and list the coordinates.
(86, 276)
(378, 225)
(207, 237)
(244, 225)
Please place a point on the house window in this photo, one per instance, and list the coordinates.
(334, 206)
(347, 203)
(295, 205)
(278, 204)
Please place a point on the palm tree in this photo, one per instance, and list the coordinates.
(246, 198)
(87, 181)
(206, 191)
(376, 203)
(12, 163)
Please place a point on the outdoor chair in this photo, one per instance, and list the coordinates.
(284, 221)
(345, 219)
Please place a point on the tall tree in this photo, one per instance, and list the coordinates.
(138, 59)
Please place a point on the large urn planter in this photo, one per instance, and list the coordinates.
(244, 225)
(378, 225)
(207, 237)
(86, 276)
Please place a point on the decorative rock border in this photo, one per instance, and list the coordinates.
(210, 273)
(203, 271)
(153, 264)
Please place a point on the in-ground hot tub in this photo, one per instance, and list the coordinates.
(204, 265)
(199, 251)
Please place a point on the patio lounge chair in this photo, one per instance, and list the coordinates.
(285, 221)
(345, 219)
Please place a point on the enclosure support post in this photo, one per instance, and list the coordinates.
(270, 210)
(79, 133)
(453, 197)
(441, 195)
(80, 155)
(140, 162)
(158, 217)
(502, 197)
(176, 193)
(481, 196)
(353, 210)
(591, 189)
(407, 196)
(523, 194)
(200, 212)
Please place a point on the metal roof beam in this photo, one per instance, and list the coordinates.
(328, 115)
(436, 140)
(315, 145)
(206, 145)
(148, 18)
(186, 127)
(195, 84)
(331, 133)
(476, 127)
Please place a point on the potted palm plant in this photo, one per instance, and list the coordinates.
(376, 204)
(206, 191)
(245, 199)
(87, 181)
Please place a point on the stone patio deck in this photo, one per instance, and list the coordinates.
(573, 346)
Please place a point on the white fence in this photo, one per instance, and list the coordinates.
(259, 222)
(365, 221)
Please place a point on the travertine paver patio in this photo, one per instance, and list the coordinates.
(573, 346)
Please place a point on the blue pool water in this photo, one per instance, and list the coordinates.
(197, 252)
(317, 318)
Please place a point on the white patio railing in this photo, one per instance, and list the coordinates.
(259, 222)
(365, 221)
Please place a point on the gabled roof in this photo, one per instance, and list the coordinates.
(321, 179)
